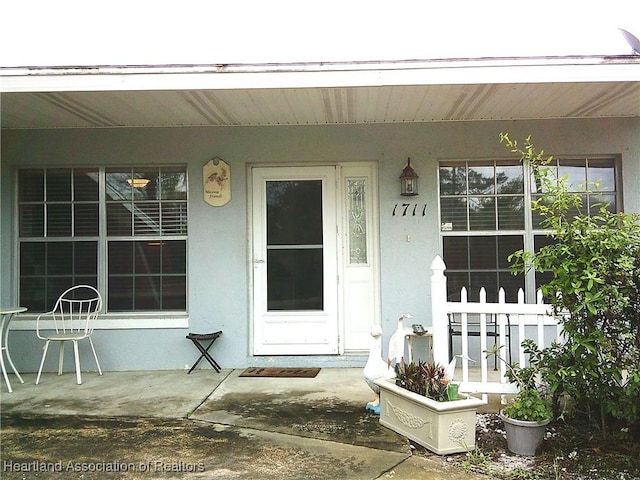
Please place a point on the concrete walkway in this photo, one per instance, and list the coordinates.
(167, 424)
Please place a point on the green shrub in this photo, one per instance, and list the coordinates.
(595, 291)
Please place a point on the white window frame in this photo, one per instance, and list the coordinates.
(107, 321)
(529, 233)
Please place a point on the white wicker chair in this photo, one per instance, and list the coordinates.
(73, 316)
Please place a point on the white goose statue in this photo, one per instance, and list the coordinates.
(396, 343)
(376, 367)
(451, 368)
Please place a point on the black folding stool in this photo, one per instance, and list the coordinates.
(196, 338)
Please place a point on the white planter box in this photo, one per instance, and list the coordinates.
(442, 427)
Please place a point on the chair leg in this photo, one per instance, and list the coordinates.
(61, 360)
(15, 370)
(44, 355)
(95, 356)
(77, 358)
(4, 372)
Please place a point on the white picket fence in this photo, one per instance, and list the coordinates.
(523, 320)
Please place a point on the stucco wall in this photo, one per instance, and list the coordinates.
(219, 283)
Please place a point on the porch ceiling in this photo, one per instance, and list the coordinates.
(119, 98)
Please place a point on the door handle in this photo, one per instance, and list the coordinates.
(255, 260)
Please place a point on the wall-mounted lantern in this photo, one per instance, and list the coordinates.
(408, 181)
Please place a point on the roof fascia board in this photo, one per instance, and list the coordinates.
(227, 77)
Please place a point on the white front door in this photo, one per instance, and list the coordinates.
(295, 261)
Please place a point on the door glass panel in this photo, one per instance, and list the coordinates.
(294, 212)
(357, 221)
(294, 279)
(294, 245)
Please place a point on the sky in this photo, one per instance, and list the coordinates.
(156, 32)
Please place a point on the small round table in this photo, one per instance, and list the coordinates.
(7, 315)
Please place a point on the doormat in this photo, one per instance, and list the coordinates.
(280, 372)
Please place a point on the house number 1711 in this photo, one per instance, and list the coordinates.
(412, 209)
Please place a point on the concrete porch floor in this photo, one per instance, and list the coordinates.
(168, 424)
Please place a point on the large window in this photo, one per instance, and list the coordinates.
(485, 213)
(122, 230)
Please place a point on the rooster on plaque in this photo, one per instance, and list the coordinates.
(216, 175)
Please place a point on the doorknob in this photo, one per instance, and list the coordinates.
(255, 260)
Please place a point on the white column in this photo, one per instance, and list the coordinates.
(439, 312)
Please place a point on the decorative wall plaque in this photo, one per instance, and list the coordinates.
(216, 176)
